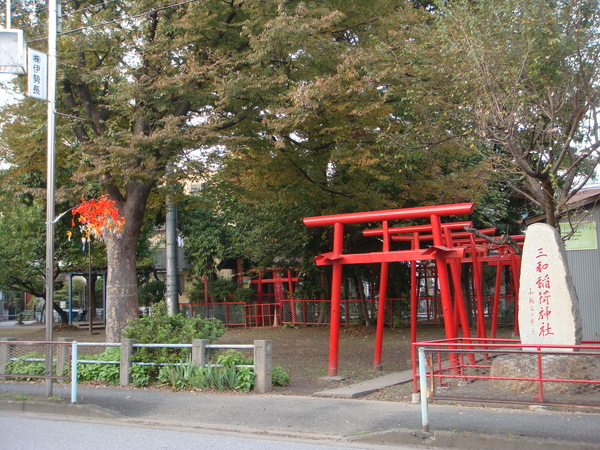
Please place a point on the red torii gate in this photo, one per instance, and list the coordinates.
(415, 240)
(438, 252)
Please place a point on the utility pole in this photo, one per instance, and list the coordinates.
(172, 257)
(50, 145)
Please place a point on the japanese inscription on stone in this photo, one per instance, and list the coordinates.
(548, 306)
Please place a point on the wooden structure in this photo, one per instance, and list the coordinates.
(448, 248)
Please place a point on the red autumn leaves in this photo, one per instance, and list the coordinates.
(98, 216)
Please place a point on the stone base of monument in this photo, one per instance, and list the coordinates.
(556, 367)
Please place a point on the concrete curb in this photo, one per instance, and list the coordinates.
(58, 408)
(467, 441)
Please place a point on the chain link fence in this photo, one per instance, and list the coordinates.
(230, 313)
(26, 360)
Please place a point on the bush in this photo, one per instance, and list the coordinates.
(280, 377)
(111, 373)
(151, 292)
(102, 372)
(188, 376)
(232, 358)
(244, 376)
(244, 295)
(161, 328)
(24, 365)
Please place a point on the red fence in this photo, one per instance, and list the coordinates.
(318, 312)
(506, 371)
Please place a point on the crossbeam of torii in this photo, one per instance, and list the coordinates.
(437, 252)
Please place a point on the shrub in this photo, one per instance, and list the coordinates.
(244, 295)
(279, 377)
(25, 366)
(102, 372)
(111, 373)
(161, 328)
(232, 358)
(151, 292)
(188, 376)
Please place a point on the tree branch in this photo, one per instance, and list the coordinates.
(504, 240)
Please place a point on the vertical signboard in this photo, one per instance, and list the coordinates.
(38, 75)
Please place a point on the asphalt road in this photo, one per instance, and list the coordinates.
(28, 432)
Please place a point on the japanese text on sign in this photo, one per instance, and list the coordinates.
(37, 74)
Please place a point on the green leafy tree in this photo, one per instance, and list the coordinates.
(527, 75)
(144, 105)
(22, 229)
(329, 127)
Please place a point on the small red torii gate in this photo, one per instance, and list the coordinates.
(438, 252)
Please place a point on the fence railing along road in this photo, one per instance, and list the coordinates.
(506, 371)
(16, 358)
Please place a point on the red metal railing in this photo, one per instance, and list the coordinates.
(318, 312)
(507, 371)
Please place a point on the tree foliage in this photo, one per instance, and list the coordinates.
(306, 108)
(317, 102)
(527, 75)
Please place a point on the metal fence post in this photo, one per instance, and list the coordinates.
(62, 357)
(74, 357)
(5, 353)
(126, 354)
(200, 355)
(263, 352)
(423, 386)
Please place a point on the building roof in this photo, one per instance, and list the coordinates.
(582, 198)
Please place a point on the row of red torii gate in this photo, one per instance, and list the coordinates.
(444, 243)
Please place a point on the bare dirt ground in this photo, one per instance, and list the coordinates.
(303, 352)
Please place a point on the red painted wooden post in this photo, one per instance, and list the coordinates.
(383, 281)
(414, 310)
(514, 267)
(459, 301)
(336, 297)
(497, 288)
(442, 270)
(478, 277)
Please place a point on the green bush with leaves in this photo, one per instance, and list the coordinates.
(100, 371)
(279, 377)
(151, 292)
(111, 372)
(27, 364)
(161, 328)
(232, 358)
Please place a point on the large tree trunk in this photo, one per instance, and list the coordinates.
(121, 285)
(361, 295)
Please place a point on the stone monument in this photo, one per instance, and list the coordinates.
(548, 305)
(548, 317)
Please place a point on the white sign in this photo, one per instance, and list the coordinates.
(12, 52)
(38, 74)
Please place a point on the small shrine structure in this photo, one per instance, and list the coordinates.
(436, 242)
